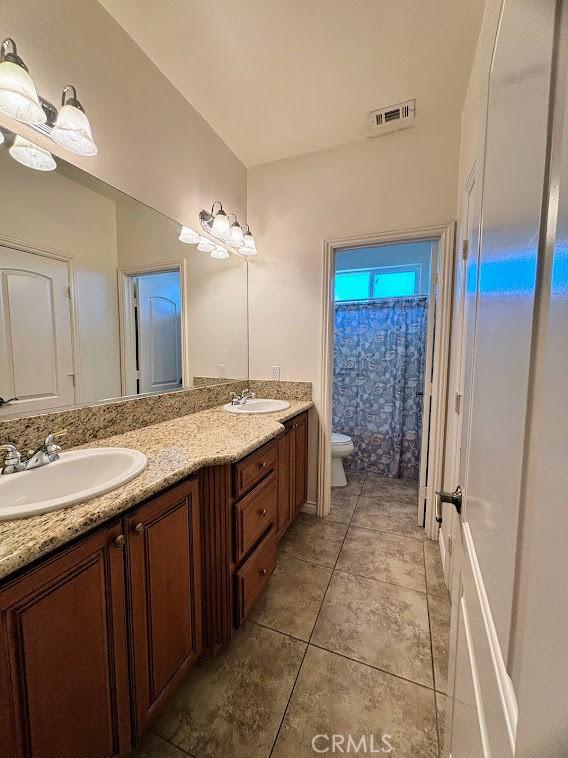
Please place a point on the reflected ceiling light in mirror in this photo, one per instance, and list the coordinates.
(72, 129)
(32, 156)
(188, 236)
(206, 246)
(219, 252)
(18, 95)
(249, 247)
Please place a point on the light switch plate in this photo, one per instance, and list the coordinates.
(276, 372)
(222, 370)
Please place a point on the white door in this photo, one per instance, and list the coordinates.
(159, 331)
(500, 298)
(36, 343)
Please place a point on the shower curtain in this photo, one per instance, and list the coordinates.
(378, 379)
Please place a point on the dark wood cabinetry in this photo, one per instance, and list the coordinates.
(164, 572)
(94, 638)
(63, 655)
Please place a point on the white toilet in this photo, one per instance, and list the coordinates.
(341, 447)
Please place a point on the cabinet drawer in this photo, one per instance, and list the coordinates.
(254, 514)
(254, 574)
(254, 468)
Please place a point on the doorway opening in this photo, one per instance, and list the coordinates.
(152, 330)
(386, 316)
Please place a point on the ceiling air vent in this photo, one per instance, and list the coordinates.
(393, 117)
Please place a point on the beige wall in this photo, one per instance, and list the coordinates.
(55, 212)
(152, 144)
(398, 181)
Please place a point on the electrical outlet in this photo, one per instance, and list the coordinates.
(222, 370)
(276, 372)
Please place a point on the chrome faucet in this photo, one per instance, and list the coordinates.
(47, 452)
(241, 399)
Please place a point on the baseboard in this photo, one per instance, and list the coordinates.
(310, 507)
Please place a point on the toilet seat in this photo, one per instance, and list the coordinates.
(340, 439)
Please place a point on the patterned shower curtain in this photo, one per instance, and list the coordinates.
(378, 379)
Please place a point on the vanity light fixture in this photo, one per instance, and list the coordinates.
(220, 226)
(220, 252)
(2, 137)
(18, 95)
(206, 246)
(71, 128)
(188, 236)
(31, 155)
(236, 238)
(249, 247)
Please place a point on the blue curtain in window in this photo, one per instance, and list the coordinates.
(378, 374)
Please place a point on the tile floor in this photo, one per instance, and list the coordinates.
(350, 638)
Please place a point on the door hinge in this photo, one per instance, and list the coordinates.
(73, 375)
(450, 545)
(137, 374)
(68, 292)
(458, 402)
(465, 249)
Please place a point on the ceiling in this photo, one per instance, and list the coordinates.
(276, 78)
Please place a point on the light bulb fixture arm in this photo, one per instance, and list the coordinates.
(66, 100)
(11, 55)
(217, 202)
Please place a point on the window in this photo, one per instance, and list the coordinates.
(395, 281)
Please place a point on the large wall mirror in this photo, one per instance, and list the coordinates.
(99, 299)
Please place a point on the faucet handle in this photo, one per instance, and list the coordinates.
(11, 454)
(50, 443)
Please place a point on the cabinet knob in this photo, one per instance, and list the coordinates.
(263, 512)
(120, 540)
(263, 572)
(263, 464)
(139, 528)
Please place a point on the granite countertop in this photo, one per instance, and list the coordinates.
(174, 449)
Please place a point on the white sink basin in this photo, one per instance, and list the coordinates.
(257, 406)
(77, 476)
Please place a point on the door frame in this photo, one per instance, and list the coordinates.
(444, 234)
(126, 325)
(69, 259)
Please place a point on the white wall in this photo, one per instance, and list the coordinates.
(55, 212)
(152, 144)
(399, 181)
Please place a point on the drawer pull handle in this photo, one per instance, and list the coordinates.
(263, 572)
(120, 540)
(263, 512)
(139, 528)
(263, 464)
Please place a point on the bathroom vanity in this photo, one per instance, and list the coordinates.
(96, 634)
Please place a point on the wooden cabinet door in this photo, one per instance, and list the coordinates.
(165, 590)
(63, 656)
(285, 483)
(300, 454)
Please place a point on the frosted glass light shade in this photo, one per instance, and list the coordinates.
(73, 131)
(18, 95)
(221, 226)
(2, 138)
(237, 238)
(32, 156)
(220, 252)
(206, 246)
(248, 250)
(188, 236)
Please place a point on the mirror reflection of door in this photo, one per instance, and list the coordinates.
(156, 313)
(36, 332)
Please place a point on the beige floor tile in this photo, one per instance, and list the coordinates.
(434, 571)
(342, 507)
(232, 705)
(440, 613)
(291, 601)
(395, 517)
(313, 539)
(377, 623)
(355, 482)
(387, 557)
(388, 487)
(442, 711)
(334, 695)
(153, 746)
